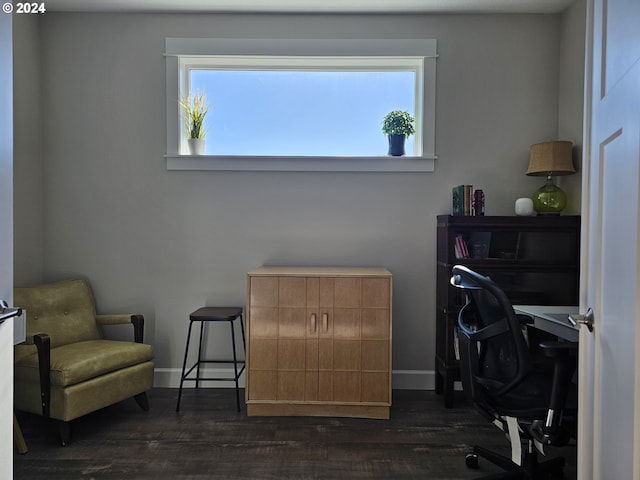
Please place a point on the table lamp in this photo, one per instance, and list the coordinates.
(548, 159)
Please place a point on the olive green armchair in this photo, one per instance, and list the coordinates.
(66, 369)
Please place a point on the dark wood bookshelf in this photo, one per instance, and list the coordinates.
(535, 260)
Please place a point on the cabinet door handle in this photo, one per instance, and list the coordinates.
(325, 322)
(313, 323)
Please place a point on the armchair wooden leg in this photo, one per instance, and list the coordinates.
(142, 401)
(18, 438)
(64, 428)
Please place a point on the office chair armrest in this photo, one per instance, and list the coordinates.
(556, 349)
(524, 319)
(43, 345)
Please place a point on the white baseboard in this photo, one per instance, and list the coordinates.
(170, 378)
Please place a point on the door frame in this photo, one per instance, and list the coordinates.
(585, 444)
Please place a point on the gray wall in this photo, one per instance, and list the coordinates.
(570, 109)
(28, 194)
(165, 243)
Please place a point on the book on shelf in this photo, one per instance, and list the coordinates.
(460, 248)
(456, 250)
(462, 197)
(467, 201)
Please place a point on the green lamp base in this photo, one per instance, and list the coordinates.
(549, 199)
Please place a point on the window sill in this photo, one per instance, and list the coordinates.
(241, 163)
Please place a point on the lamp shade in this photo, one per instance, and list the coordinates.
(551, 158)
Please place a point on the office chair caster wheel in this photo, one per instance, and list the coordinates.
(471, 459)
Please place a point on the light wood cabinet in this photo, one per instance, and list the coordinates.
(319, 341)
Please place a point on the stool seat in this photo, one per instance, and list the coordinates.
(205, 315)
(216, 314)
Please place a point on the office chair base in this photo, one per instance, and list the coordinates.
(530, 468)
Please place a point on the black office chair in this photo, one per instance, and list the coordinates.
(533, 402)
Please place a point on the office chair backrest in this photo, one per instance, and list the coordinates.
(494, 355)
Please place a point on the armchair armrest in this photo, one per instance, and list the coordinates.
(43, 345)
(136, 319)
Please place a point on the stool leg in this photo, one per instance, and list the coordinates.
(244, 343)
(199, 355)
(235, 364)
(184, 365)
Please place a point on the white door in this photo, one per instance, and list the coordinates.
(609, 423)
(6, 244)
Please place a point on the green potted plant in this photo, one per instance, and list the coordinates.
(195, 110)
(397, 125)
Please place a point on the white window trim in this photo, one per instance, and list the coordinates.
(179, 48)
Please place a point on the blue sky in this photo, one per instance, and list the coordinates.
(301, 112)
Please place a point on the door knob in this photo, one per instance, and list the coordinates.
(6, 312)
(586, 319)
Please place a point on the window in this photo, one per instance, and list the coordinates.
(301, 104)
(304, 106)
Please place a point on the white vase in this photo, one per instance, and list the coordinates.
(196, 146)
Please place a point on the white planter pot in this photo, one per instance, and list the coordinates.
(196, 146)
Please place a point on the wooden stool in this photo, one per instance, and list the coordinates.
(213, 314)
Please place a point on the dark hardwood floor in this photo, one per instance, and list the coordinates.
(208, 439)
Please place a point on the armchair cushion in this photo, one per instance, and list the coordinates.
(64, 310)
(77, 362)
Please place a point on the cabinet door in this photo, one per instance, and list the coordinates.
(279, 353)
(360, 327)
